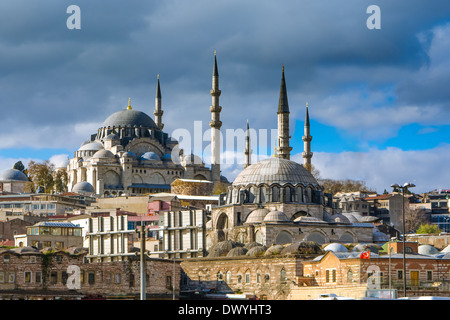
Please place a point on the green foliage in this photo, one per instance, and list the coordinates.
(428, 228)
(335, 186)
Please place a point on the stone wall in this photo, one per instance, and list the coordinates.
(267, 277)
(38, 275)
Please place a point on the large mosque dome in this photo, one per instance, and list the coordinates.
(129, 118)
(275, 171)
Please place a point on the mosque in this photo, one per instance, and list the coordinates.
(131, 154)
(277, 201)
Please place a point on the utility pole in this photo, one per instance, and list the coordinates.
(142, 265)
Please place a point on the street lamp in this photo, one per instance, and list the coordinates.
(403, 188)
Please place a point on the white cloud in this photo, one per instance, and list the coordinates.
(427, 169)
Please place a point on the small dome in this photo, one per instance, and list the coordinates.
(83, 187)
(192, 159)
(237, 252)
(256, 251)
(379, 236)
(276, 216)
(127, 154)
(13, 175)
(150, 156)
(369, 219)
(275, 249)
(339, 218)
(257, 215)
(427, 249)
(167, 157)
(362, 247)
(103, 154)
(446, 249)
(222, 248)
(302, 247)
(112, 136)
(23, 250)
(335, 247)
(91, 146)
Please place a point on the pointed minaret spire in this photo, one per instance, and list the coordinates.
(215, 124)
(284, 150)
(247, 151)
(158, 112)
(307, 154)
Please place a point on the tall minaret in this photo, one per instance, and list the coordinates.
(158, 112)
(215, 124)
(247, 151)
(284, 150)
(307, 154)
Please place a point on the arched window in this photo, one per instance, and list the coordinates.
(283, 277)
(283, 237)
(228, 277)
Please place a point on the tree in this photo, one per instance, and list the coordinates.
(428, 228)
(415, 218)
(347, 185)
(41, 175)
(19, 166)
(61, 179)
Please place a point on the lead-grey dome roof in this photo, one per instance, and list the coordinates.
(275, 171)
(83, 187)
(129, 118)
(13, 175)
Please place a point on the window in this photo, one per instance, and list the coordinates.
(117, 278)
(91, 277)
(429, 275)
(53, 277)
(283, 277)
(11, 277)
(64, 277)
(349, 276)
(330, 275)
(38, 276)
(27, 277)
(399, 274)
(228, 277)
(239, 278)
(6, 258)
(2, 277)
(168, 282)
(247, 277)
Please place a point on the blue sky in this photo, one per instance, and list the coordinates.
(378, 99)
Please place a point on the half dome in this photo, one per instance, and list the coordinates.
(129, 118)
(275, 171)
(150, 156)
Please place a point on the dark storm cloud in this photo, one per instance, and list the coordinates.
(52, 76)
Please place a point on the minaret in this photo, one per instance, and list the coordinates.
(284, 150)
(158, 112)
(247, 151)
(215, 124)
(307, 154)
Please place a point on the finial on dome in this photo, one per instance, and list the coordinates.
(282, 68)
(158, 76)
(129, 104)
